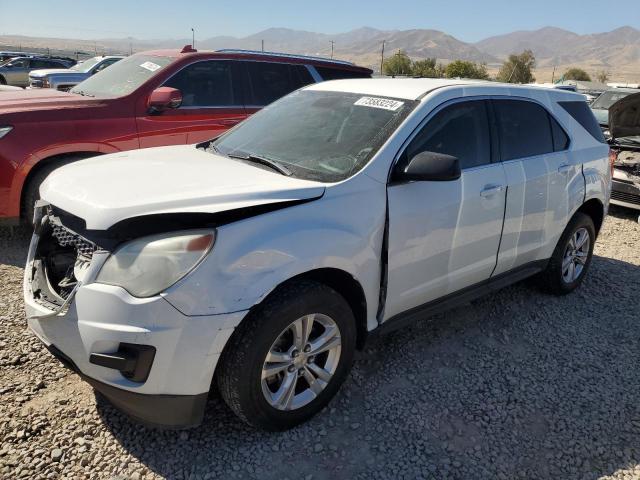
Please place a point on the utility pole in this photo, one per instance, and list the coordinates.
(332, 42)
(553, 75)
(193, 38)
(262, 41)
(382, 57)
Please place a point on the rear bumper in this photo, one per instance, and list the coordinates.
(625, 194)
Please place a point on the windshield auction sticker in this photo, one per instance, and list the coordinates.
(376, 102)
(152, 67)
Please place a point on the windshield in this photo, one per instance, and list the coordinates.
(316, 135)
(123, 77)
(85, 66)
(608, 98)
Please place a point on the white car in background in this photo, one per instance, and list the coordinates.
(65, 79)
(261, 260)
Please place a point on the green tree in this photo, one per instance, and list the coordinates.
(577, 74)
(518, 68)
(465, 69)
(602, 76)
(399, 64)
(427, 68)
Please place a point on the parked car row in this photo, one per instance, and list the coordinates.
(150, 99)
(64, 79)
(15, 71)
(261, 257)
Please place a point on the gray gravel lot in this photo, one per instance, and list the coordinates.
(517, 385)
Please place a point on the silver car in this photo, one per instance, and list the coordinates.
(16, 71)
(64, 79)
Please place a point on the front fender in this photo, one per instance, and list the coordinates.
(342, 230)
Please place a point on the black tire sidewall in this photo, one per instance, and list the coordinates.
(580, 220)
(264, 326)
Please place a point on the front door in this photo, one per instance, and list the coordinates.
(211, 104)
(445, 236)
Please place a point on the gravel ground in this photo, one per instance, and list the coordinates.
(516, 385)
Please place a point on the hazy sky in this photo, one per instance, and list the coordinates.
(468, 20)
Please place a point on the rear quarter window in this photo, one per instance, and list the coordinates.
(329, 73)
(582, 114)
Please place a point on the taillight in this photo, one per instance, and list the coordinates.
(613, 156)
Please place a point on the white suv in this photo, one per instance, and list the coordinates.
(262, 259)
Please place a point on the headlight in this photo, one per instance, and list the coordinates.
(5, 130)
(147, 266)
(45, 83)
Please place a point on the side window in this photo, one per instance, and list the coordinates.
(105, 64)
(460, 130)
(22, 63)
(268, 82)
(560, 138)
(301, 76)
(582, 114)
(41, 64)
(328, 73)
(205, 84)
(524, 129)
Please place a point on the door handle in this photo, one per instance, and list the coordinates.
(490, 190)
(564, 168)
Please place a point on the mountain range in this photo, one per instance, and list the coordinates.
(617, 51)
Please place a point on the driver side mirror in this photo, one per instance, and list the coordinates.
(164, 98)
(430, 166)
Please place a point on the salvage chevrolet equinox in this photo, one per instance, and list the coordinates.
(262, 259)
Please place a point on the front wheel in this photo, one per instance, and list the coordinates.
(289, 357)
(572, 256)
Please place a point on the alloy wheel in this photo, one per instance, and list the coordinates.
(301, 362)
(575, 255)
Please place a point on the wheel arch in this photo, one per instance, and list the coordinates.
(346, 285)
(594, 209)
(47, 163)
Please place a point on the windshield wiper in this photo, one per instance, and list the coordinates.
(251, 157)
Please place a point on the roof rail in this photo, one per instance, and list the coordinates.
(283, 55)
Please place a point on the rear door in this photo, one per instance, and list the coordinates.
(211, 104)
(445, 236)
(266, 82)
(534, 152)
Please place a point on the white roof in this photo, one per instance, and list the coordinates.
(406, 88)
(416, 88)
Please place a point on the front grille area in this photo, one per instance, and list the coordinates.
(625, 197)
(67, 238)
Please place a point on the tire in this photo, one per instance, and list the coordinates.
(2, 80)
(555, 278)
(240, 371)
(31, 191)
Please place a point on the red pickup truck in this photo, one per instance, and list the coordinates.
(149, 99)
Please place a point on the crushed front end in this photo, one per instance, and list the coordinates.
(626, 176)
(146, 357)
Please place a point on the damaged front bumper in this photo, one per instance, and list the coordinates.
(625, 187)
(150, 360)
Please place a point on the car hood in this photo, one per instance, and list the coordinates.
(48, 71)
(166, 180)
(624, 117)
(42, 99)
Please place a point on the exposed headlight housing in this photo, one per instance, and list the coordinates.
(149, 265)
(4, 130)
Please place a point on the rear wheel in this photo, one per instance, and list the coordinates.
(2, 80)
(289, 357)
(572, 256)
